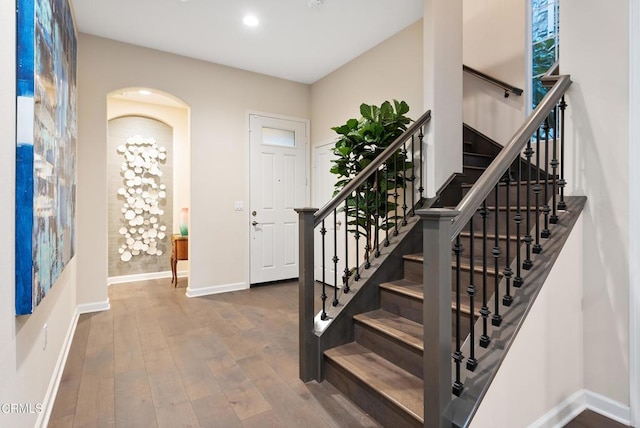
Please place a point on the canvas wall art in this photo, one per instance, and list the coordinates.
(45, 153)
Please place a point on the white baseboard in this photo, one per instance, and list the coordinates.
(89, 308)
(144, 277)
(579, 401)
(54, 383)
(216, 289)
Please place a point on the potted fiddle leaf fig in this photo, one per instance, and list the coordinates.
(360, 142)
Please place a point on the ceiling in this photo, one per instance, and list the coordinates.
(293, 41)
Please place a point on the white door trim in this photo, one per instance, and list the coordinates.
(634, 212)
(247, 165)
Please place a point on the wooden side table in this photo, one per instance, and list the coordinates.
(179, 251)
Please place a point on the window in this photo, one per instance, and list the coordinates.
(545, 26)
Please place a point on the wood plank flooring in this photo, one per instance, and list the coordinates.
(591, 419)
(159, 359)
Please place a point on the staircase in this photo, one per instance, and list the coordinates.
(381, 370)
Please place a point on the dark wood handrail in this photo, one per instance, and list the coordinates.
(492, 80)
(369, 169)
(510, 152)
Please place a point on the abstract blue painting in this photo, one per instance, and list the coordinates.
(45, 147)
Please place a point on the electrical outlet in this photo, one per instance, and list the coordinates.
(44, 337)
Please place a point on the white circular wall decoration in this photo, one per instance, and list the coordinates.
(142, 195)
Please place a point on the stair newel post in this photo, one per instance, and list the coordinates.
(436, 225)
(345, 280)
(546, 233)
(335, 258)
(554, 168)
(562, 206)
(472, 362)
(507, 299)
(528, 240)
(537, 248)
(496, 319)
(309, 357)
(517, 281)
(484, 311)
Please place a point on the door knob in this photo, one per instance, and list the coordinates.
(255, 223)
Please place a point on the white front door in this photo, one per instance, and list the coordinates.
(279, 184)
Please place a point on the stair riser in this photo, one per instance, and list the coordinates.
(414, 268)
(375, 404)
(400, 354)
(513, 194)
(477, 247)
(473, 159)
(401, 305)
(502, 224)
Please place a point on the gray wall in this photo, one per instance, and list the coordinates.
(121, 129)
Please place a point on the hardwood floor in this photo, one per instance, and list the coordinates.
(158, 358)
(591, 419)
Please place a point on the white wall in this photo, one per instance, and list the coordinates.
(495, 42)
(442, 49)
(595, 50)
(26, 369)
(220, 98)
(391, 70)
(544, 365)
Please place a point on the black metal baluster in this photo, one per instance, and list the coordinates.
(554, 167)
(537, 248)
(346, 246)
(546, 233)
(386, 205)
(356, 277)
(404, 184)
(517, 281)
(496, 320)
(528, 240)
(457, 355)
(367, 222)
(562, 206)
(323, 296)
(421, 188)
(396, 195)
(484, 311)
(376, 216)
(335, 258)
(507, 299)
(472, 363)
(413, 179)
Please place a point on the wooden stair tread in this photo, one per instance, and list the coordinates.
(385, 378)
(482, 155)
(405, 287)
(395, 326)
(511, 183)
(465, 234)
(474, 167)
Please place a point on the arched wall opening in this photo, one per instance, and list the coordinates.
(148, 170)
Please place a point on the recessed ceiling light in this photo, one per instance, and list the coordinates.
(144, 92)
(251, 21)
